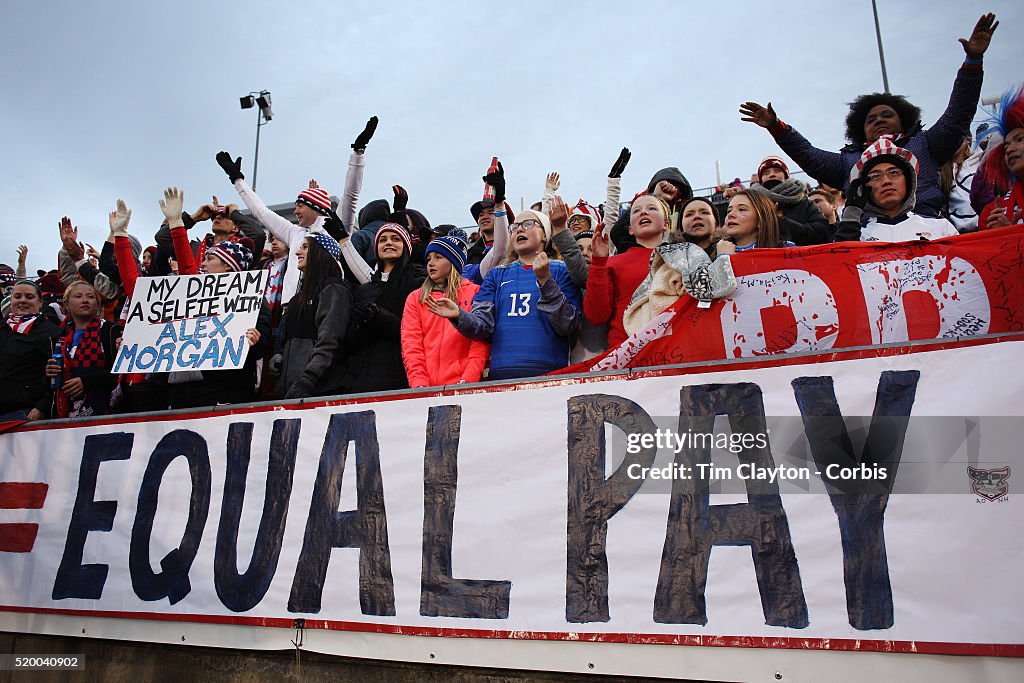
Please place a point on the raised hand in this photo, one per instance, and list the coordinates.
(313, 184)
(620, 164)
(542, 268)
(171, 206)
(22, 254)
(363, 138)
(755, 113)
(725, 247)
(552, 182)
(981, 36)
(119, 218)
(401, 198)
(446, 308)
(232, 167)
(599, 245)
(334, 227)
(69, 238)
(497, 181)
(558, 212)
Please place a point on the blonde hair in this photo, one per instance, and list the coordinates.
(452, 285)
(662, 204)
(79, 283)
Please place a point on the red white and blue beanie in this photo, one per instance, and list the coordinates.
(398, 230)
(876, 153)
(587, 211)
(236, 255)
(329, 244)
(316, 199)
(452, 246)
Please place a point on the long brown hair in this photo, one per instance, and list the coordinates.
(768, 236)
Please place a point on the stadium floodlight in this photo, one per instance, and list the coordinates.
(264, 114)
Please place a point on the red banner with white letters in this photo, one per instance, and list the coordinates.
(841, 295)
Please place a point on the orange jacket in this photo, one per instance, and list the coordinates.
(435, 353)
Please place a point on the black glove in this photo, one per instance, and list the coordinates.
(333, 225)
(363, 138)
(401, 198)
(620, 164)
(857, 194)
(497, 181)
(232, 168)
(363, 313)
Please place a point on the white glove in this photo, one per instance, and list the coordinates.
(119, 219)
(171, 205)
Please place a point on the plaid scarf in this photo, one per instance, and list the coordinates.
(21, 324)
(87, 355)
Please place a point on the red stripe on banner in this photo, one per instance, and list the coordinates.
(838, 644)
(22, 495)
(17, 538)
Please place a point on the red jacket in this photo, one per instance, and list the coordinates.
(435, 353)
(610, 288)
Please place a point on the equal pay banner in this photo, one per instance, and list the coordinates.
(190, 322)
(511, 513)
(839, 296)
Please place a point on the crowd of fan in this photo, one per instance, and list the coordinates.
(376, 299)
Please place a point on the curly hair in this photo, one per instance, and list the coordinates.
(910, 115)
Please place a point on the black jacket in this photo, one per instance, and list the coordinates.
(619, 234)
(22, 361)
(803, 224)
(374, 340)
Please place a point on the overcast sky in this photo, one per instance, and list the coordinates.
(120, 99)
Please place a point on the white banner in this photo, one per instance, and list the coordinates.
(511, 512)
(190, 322)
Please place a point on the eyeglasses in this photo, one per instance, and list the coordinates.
(523, 225)
(890, 173)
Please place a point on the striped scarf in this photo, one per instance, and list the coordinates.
(21, 324)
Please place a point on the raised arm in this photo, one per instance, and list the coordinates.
(171, 205)
(599, 300)
(127, 266)
(354, 175)
(820, 164)
(22, 272)
(551, 185)
(566, 243)
(497, 253)
(948, 131)
(279, 227)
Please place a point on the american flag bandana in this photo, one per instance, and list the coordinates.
(21, 324)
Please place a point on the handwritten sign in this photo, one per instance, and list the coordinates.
(190, 322)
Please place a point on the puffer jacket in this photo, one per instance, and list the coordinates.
(434, 352)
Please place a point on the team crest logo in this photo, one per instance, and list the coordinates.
(990, 484)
